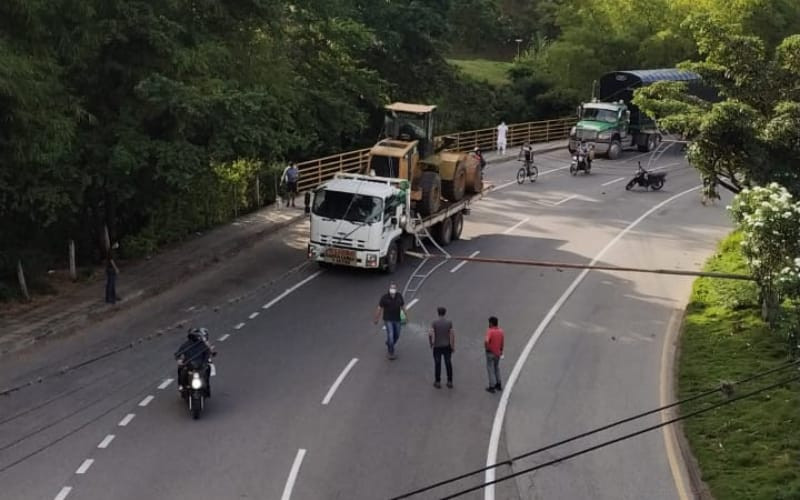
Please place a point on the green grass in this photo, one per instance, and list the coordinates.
(494, 72)
(749, 449)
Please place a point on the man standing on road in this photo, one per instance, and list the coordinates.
(289, 179)
(494, 351)
(502, 133)
(392, 307)
(442, 339)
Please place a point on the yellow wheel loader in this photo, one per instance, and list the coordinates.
(407, 151)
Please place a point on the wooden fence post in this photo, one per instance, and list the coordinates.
(22, 284)
(73, 273)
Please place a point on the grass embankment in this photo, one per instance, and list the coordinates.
(751, 448)
(493, 72)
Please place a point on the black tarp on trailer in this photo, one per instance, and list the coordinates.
(619, 85)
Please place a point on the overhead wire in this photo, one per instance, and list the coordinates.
(708, 392)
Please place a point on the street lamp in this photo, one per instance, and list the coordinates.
(519, 41)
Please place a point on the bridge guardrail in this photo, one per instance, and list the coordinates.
(315, 172)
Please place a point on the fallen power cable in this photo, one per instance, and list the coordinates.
(595, 267)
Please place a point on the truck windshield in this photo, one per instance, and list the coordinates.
(600, 115)
(348, 206)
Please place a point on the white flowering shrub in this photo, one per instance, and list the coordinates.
(769, 219)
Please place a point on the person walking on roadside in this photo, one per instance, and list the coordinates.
(289, 178)
(502, 136)
(392, 308)
(442, 340)
(111, 277)
(494, 351)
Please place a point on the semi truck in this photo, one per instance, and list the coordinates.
(610, 122)
(369, 221)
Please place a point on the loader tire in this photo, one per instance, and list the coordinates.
(454, 189)
(431, 185)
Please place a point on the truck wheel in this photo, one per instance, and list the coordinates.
(391, 259)
(458, 225)
(454, 190)
(431, 185)
(444, 232)
(650, 144)
(614, 150)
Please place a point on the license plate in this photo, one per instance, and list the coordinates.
(341, 255)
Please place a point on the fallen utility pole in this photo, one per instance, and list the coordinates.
(565, 265)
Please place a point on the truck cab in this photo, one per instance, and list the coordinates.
(357, 221)
(601, 124)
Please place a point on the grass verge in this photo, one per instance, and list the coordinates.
(749, 449)
(493, 72)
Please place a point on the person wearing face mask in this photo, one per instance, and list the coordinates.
(391, 307)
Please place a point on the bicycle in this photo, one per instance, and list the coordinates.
(529, 170)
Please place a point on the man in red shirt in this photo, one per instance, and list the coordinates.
(494, 351)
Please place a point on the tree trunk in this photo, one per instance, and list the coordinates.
(22, 284)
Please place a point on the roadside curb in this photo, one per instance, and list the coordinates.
(699, 488)
(99, 312)
(689, 469)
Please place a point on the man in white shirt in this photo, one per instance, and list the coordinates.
(502, 132)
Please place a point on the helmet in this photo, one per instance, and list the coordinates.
(197, 334)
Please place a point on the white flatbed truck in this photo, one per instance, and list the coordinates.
(369, 222)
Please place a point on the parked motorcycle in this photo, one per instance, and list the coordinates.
(647, 180)
(580, 161)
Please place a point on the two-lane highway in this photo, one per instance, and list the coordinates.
(305, 404)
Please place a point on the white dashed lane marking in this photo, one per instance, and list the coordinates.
(290, 290)
(239, 326)
(165, 384)
(85, 466)
(125, 421)
(63, 493)
(254, 315)
(612, 182)
(106, 441)
(515, 226)
(463, 262)
(146, 401)
(224, 337)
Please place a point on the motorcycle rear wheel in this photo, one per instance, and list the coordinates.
(656, 185)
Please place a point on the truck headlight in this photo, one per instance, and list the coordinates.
(573, 131)
(372, 260)
(604, 136)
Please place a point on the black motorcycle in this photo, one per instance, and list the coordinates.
(580, 161)
(195, 394)
(647, 180)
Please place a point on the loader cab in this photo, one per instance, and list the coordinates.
(411, 122)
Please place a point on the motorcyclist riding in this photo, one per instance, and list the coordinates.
(196, 352)
(584, 149)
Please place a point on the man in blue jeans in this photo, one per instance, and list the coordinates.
(391, 306)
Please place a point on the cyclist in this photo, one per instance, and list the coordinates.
(526, 155)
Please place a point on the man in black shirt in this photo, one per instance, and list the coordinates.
(392, 307)
(442, 340)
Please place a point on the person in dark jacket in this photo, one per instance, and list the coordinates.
(195, 352)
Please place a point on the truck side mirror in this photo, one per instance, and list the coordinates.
(627, 115)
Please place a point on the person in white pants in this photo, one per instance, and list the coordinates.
(502, 133)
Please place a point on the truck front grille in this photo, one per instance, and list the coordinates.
(343, 242)
(586, 135)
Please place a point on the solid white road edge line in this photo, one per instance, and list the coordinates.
(516, 226)
(612, 182)
(412, 303)
(146, 401)
(105, 442)
(239, 326)
(298, 460)
(165, 384)
(85, 466)
(63, 493)
(224, 337)
(666, 396)
(290, 290)
(339, 380)
(125, 421)
(502, 406)
(464, 262)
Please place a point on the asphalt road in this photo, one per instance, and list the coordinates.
(275, 425)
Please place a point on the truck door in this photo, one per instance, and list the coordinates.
(624, 119)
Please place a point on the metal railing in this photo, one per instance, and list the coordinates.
(315, 172)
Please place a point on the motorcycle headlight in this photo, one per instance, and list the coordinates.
(197, 382)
